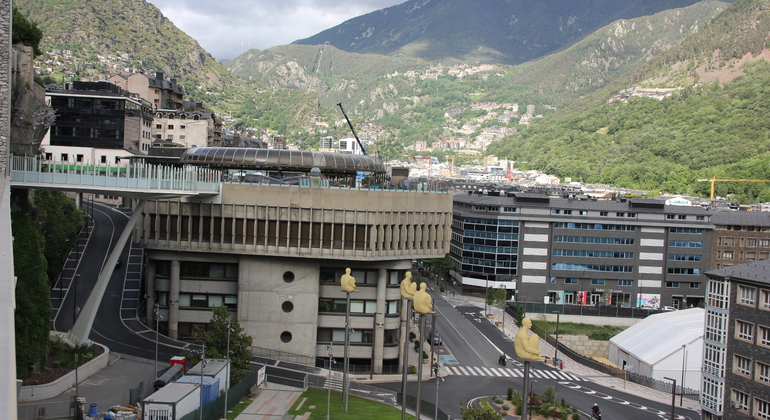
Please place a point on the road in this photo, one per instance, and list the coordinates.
(472, 345)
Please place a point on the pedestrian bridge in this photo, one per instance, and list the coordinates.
(140, 181)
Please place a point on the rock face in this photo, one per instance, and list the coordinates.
(30, 115)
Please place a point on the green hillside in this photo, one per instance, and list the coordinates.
(712, 128)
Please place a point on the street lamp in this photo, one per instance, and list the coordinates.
(673, 396)
(684, 369)
(203, 365)
(329, 392)
(556, 347)
(437, 371)
(229, 363)
(74, 298)
(156, 311)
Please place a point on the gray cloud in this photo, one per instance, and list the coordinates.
(226, 28)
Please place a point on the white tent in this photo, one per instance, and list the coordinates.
(661, 345)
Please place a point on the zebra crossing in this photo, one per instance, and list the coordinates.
(511, 372)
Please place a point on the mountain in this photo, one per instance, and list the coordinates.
(490, 31)
(135, 28)
(712, 124)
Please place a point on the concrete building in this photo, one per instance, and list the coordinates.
(187, 128)
(96, 122)
(274, 254)
(736, 365)
(568, 251)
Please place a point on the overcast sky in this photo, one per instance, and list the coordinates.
(226, 28)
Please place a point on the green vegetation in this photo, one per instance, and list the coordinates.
(61, 223)
(358, 408)
(33, 300)
(26, 32)
(238, 408)
(216, 340)
(594, 332)
(477, 413)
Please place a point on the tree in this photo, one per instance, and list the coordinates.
(477, 413)
(26, 32)
(496, 297)
(215, 339)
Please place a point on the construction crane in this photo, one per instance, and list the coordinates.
(430, 162)
(713, 180)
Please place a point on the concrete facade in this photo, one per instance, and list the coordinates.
(275, 255)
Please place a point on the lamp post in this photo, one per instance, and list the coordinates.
(437, 371)
(229, 362)
(203, 365)
(74, 298)
(329, 392)
(673, 397)
(556, 347)
(156, 311)
(684, 369)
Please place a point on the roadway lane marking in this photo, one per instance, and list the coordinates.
(489, 373)
(463, 370)
(441, 313)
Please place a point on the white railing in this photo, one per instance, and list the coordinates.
(140, 177)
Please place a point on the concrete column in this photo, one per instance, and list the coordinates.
(150, 275)
(173, 300)
(379, 332)
(79, 200)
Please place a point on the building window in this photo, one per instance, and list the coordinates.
(631, 214)
(682, 270)
(597, 282)
(764, 336)
(761, 409)
(728, 255)
(765, 300)
(694, 285)
(287, 306)
(170, 126)
(682, 217)
(672, 284)
(604, 213)
(742, 365)
(740, 400)
(158, 126)
(624, 282)
(182, 127)
(700, 218)
(744, 331)
(751, 256)
(751, 242)
(764, 243)
(670, 216)
(570, 280)
(555, 211)
(763, 372)
(620, 214)
(729, 241)
(286, 336)
(747, 295)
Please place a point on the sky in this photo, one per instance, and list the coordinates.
(226, 28)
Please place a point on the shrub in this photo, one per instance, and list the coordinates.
(548, 396)
(416, 345)
(412, 335)
(424, 355)
(499, 400)
(510, 394)
(575, 416)
(412, 369)
(506, 407)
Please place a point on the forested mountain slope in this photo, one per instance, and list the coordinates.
(715, 125)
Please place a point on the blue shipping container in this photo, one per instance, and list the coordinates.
(210, 386)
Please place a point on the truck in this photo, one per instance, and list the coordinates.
(172, 401)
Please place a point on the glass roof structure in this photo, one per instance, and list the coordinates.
(278, 159)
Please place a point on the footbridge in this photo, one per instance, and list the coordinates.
(139, 181)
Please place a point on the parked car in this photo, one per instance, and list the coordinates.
(437, 341)
(624, 305)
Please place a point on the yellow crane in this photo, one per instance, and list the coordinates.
(713, 180)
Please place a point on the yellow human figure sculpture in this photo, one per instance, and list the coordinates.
(348, 282)
(407, 287)
(422, 300)
(526, 346)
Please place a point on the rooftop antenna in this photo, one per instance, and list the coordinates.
(361, 145)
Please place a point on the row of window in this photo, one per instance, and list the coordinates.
(747, 242)
(622, 282)
(741, 401)
(198, 300)
(748, 295)
(337, 335)
(357, 306)
(748, 331)
(591, 254)
(593, 240)
(593, 267)
(683, 217)
(205, 270)
(593, 226)
(743, 255)
(169, 127)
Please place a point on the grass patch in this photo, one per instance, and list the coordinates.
(238, 408)
(594, 332)
(358, 408)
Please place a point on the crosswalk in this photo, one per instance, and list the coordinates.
(511, 372)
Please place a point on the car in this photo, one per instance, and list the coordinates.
(668, 308)
(437, 341)
(624, 305)
(602, 305)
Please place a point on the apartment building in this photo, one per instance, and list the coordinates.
(161, 93)
(187, 128)
(636, 252)
(739, 237)
(736, 365)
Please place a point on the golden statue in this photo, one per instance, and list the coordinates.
(526, 346)
(407, 287)
(422, 300)
(348, 282)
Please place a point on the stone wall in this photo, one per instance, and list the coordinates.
(585, 346)
(31, 116)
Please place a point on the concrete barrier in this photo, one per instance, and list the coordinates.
(43, 392)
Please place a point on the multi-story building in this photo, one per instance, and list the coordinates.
(275, 254)
(188, 128)
(161, 93)
(96, 122)
(740, 236)
(736, 365)
(638, 252)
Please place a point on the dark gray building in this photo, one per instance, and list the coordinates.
(736, 365)
(638, 252)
